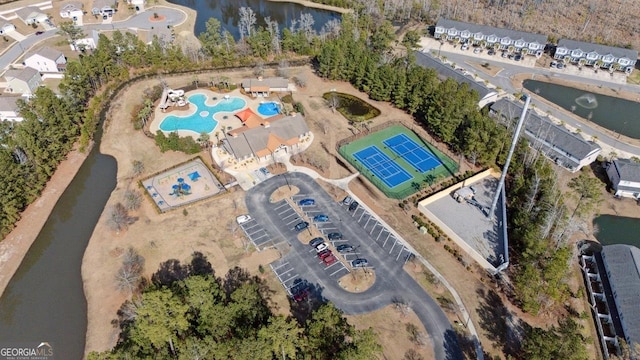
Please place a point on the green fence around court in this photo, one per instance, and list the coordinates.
(348, 148)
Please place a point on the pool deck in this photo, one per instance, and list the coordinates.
(231, 122)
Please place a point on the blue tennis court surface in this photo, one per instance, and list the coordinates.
(383, 167)
(420, 158)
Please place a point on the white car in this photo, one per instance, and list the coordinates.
(243, 219)
(322, 247)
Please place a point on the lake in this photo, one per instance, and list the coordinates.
(227, 12)
(617, 230)
(612, 113)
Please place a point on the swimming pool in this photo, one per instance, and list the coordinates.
(268, 108)
(202, 120)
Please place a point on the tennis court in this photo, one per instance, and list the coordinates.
(382, 166)
(398, 161)
(418, 157)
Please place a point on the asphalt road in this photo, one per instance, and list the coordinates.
(502, 79)
(140, 21)
(392, 282)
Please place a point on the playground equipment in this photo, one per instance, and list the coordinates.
(467, 194)
(181, 188)
(172, 97)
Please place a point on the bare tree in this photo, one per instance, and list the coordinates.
(300, 81)
(283, 68)
(119, 218)
(274, 32)
(128, 276)
(246, 22)
(334, 102)
(132, 199)
(306, 26)
(138, 167)
(411, 354)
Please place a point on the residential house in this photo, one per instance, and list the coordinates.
(72, 11)
(624, 175)
(104, 7)
(264, 138)
(9, 108)
(32, 15)
(491, 37)
(138, 5)
(22, 81)
(264, 86)
(46, 60)
(89, 42)
(565, 148)
(486, 95)
(608, 57)
(6, 27)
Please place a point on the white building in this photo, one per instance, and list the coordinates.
(72, 11)
(88, 43)
(624, 175)
(46, 60)
(6, 27)
(265, 86)
(607, 57)
(104, 7)
(22, 81)
(9, 108)
(137, 4)
(32, 15)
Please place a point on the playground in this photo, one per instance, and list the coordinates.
(182, 185)
(398, 161)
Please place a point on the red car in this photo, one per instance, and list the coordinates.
(324, 253)
(301, 295)
(329, 260)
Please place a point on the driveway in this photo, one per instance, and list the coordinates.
(392, 282)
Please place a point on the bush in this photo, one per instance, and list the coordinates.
(174, 142)
(287, 99)
(299, 108)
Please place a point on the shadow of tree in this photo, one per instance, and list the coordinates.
(169, 272)
(498, 323)
(452, 347)
(302, 310)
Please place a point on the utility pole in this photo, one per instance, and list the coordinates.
(516, 134)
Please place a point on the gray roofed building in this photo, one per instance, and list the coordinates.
(275, 134)
(9, 108)
(591, 54)
(46, 59)
(445, 71)
(31, 15)
(6, 27)
(622, 264)
(624, 175)
(567, 149)
(22, 81)
(490, 30)
(103, 7)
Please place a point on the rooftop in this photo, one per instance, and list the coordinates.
(9, 103)
(544, 132)
(490, 30)
(25, 74)
(262, 140)
(446, 71)
(623, 265)
(47, 52)
(25, 12)
(628, 170)
(600, 49)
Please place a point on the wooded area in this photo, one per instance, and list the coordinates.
(187, 312)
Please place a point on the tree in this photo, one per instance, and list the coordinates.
(132, 199)
(246, 22)
(411, 39)
(119, 218)
(72, 32)
(588, 192)
(138, 167)
(128, 276)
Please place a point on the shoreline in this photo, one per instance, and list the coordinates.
(310, 4)
(16, 245)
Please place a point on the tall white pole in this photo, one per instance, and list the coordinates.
(516, 135)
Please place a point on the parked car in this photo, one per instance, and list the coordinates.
(464, 46)
(324, 253)
(347, 200)
(264, 171)
(560, 66)
(329, 260)
(39, 32)
(477, 50)
(553, 64)
(343, 248)
(321, 218)
(491, 52)
(359, 263)
(301, 226)
(353, 206)
(504, 54)
(322, 247)
(243, 219)
(518, 57)
(300, 294)
(334, 236)
(306, 202)
(316, 241)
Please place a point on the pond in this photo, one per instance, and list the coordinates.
(613, 229)
(351, 107)
(227, 12)
(618, 115)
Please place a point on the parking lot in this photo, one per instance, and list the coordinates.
(257, 234)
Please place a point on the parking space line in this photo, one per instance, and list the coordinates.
(279, 266)
(283, 205)
(294, 220)
(332, 265)
(288, 216)
(283, 211)
(361, 217)
(383, 230)
(374, 227)
(282, 273)
(385, 240)
(337, 271)
(369, 219)
(250, 227)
